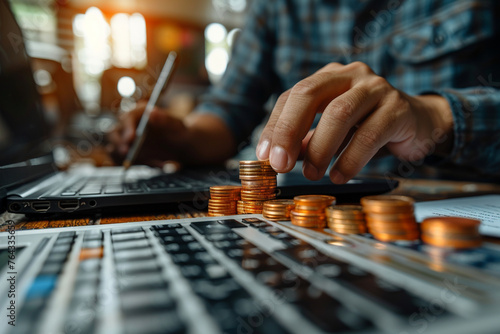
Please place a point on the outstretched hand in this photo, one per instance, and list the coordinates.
(361, 114)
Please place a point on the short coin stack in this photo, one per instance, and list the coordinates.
(346, 219)
(453, 232)
(278, 209)
(223, 200)
(258, 184)
(310, 210)
(390, 217)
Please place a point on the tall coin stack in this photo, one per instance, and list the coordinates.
(453, 232)
(390, 217)
(278, 209)
(258, 184)
(346, 219)
(310, 210)
(223, 200)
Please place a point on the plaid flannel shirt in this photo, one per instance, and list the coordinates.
(447, 47)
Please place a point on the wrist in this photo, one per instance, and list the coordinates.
(439, 122)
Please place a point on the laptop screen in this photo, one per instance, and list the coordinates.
(23, 130)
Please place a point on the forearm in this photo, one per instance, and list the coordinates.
(209, 140)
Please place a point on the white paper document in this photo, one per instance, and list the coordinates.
(485, 208)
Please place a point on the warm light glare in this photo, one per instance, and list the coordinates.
(128, 33)
(126, 86)
(96, 52)
(121, 42)
(216, 61)
(215, 33)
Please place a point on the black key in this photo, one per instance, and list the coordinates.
(231, 223)
(208, 227)
(127, 230)
(231, 244)
(134, 255)
(67, 235)
(321, 309)
(141, 281)
(384, 294)
(60, 249)
(192, 271)
(92, 235)
(90, 265)
(158, 322)
(141, 266)
(57, 257)
(255, 222)
(144, 301)
(217, 290)
(168, 226)
(270, 229)
(92, 243)
(166, 232)
(128, 236)
(131, 244)
(176, 247)
(51, 268)
(222, 236)
(68, 193)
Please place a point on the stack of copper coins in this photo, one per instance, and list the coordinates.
(278, 209)
(223, 200)
(390, 218)
(310, 210)
(244, 207)
(346, 219)
(453, 232)
(258, 184)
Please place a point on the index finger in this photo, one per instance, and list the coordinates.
(306, 98)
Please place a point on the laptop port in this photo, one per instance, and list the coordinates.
(70, 204)
(14, 207)
(40, 206)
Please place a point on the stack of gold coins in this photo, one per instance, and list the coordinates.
(258, 184)
(346, 219)
(309, 210)
(453, 232)
(223, 200)
(390, 217)
(278, 209)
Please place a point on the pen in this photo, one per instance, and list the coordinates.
(160, 86)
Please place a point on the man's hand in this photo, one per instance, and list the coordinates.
(164, 140)
(197, 139)
(361, 114)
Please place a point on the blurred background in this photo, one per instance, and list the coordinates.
(94, 60)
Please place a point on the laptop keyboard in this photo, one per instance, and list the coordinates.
(117, 185)
(206, 276)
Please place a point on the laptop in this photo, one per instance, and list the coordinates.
(30, 182)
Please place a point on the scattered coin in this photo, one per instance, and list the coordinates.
(453, 232)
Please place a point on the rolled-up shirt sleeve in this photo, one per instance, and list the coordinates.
(476, 131)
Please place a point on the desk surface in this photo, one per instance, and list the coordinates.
(419, 189)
